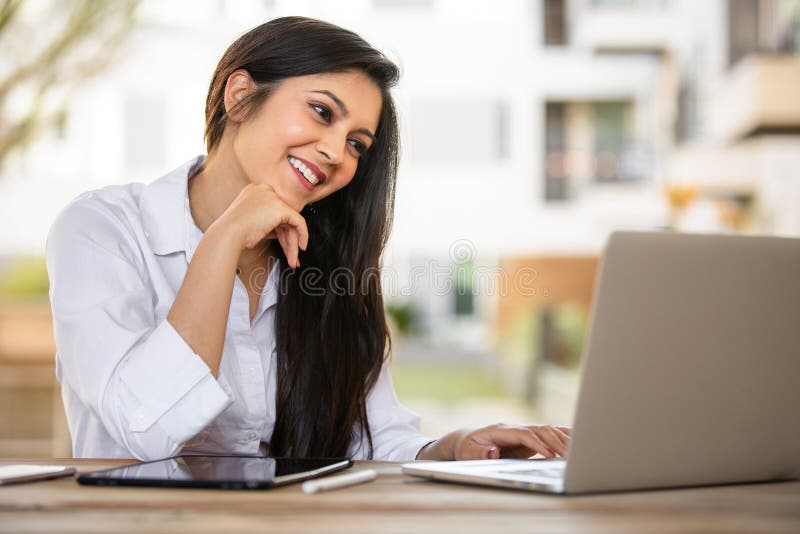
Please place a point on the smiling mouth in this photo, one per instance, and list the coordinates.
(307, 173)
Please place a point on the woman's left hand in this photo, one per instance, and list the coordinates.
(499, 441)
(513, 441)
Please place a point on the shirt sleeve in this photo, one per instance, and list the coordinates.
(396, 435)
(138, 376)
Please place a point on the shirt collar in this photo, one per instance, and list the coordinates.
(169, 226)
(163, 207)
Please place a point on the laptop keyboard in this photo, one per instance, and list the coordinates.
(546, 472)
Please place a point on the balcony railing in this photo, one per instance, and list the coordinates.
(758, 96)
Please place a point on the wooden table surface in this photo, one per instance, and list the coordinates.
(393, 503)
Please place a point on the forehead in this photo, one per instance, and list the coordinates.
(359, 94)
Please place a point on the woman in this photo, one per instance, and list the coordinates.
(205, 312)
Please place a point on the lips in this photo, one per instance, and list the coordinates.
(308, 170)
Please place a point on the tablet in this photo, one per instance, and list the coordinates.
(223, 472)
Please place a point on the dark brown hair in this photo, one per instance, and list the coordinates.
(332, 340)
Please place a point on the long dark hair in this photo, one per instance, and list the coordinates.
(331, 331)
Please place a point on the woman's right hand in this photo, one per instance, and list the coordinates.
(258, 213)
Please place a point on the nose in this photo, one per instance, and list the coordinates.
(332, 147)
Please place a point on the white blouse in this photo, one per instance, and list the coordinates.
(131, 385)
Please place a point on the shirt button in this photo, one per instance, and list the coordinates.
(253, 435)
(147, 235)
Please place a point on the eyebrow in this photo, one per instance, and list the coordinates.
(343, 108)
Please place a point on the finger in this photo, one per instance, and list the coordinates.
(292, 218)
(520, 453)
(473, 450)
(552, 436)
(252, 241)
(291, 240)
(551, 439)
(541, 446)
(515, 436)
(289, 250)
(564, 437)
(565, 429)
(284, 245)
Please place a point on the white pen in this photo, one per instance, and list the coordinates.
(340, 481)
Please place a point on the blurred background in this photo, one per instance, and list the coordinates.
(531, 130)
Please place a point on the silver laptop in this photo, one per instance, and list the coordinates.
(691, 372)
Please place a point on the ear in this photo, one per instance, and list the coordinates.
(239, 85)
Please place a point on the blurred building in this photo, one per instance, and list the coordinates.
(531, 128)
(559, 121)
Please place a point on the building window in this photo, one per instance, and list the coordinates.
(464, 302)
(762, 26)
(787, 27)
(556, 186)
(686, 120)
(588, 142)
(611, 140)
(555, 22)
(463, 290)
(742, 29)
(503, 129)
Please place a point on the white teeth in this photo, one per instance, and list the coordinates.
(300, 166)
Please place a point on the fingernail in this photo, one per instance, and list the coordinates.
(492, 453)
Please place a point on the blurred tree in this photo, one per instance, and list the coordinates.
(47, 48)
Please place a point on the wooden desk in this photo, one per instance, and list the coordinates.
(393, 503)
(32, 418)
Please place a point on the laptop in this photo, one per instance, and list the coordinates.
(691, 372)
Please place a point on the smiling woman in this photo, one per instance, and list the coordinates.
(204, 313)
(301, 134)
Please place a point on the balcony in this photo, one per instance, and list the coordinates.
(758, 96)
(634, 27)
(756, 173)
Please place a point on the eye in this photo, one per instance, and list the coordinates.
(322, 111)
(358, 145)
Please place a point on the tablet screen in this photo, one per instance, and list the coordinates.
(229, 472)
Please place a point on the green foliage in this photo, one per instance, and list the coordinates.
(448, 384)
(404, 316)
(522, 344)
(74, 41)
(517, 342)
(571, 322)
(25, 277)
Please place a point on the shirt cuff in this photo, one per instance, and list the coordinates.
(162, 374)
(408, 451)
(194, 411)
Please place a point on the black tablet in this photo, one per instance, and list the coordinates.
(225, 472)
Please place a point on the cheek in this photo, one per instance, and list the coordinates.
(346, 173)
(291, 134)
(250, 143)
(291, 129)
(269, 138)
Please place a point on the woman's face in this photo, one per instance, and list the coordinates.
(306, 139)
